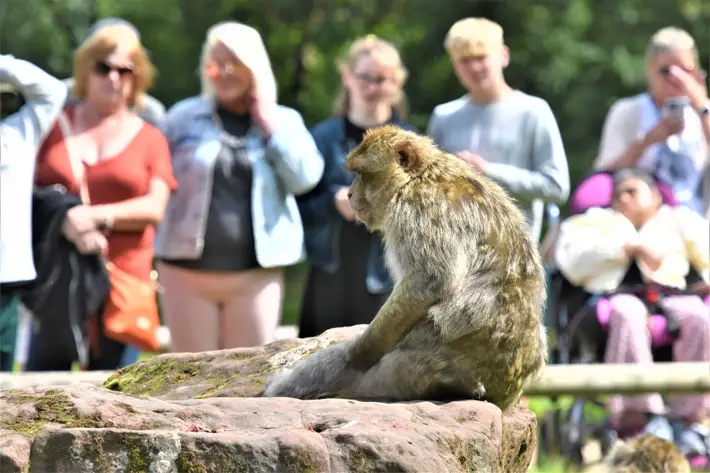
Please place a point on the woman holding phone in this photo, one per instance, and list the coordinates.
(665, 130)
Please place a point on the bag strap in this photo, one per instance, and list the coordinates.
(77, 166)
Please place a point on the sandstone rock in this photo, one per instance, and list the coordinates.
(200, 413)
(240, 372)
(14, 452)
(84, 429)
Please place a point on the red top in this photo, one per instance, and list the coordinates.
(122, 177)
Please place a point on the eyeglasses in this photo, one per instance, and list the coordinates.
(228, 69)
(103, 68)
(379, 81)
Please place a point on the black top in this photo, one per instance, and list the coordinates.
(353, 132)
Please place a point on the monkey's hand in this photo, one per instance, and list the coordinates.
(407, 305)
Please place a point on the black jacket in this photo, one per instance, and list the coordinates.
(69, 286)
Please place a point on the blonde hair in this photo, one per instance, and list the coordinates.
(473, 36)
(670, 39)
(246, 44)
(102, 43)
(382, 50)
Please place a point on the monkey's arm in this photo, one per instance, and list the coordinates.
(408, 304)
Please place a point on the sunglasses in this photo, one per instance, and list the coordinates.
(103, 68)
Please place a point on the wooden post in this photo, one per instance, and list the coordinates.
(630, 379)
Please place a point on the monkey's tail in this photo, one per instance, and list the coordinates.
(325, 374)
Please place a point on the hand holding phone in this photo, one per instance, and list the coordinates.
(674, 108)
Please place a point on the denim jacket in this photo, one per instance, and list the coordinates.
(288, 165)
(321, 219)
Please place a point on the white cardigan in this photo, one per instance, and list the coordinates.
(590, 253)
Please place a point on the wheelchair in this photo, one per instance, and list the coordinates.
(577, 331)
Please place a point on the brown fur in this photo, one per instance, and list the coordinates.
(645, 454)
(464, 319)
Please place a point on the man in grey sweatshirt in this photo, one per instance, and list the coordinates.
(507, 134)
(21, 134)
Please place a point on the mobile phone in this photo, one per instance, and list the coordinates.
(675, 107)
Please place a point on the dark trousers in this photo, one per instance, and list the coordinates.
(341, 298)
(9, 320)
(43, 355)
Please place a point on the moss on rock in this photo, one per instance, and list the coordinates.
(137, 454)
(186, 462)
(151, 376)
(51, 407)
(92, 449)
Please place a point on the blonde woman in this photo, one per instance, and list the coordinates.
(233, 224)
(638, 133)
(348, 281)
(125, 166)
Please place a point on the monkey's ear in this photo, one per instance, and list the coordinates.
(407, 154)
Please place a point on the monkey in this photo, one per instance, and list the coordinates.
(464, 318)
(644, 453)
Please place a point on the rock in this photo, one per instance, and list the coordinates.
(14, 452)
(240, 372)
(201, 413)
(84, 429)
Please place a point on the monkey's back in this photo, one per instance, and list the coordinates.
(490, 316)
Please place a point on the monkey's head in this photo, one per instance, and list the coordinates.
(386, 160)
(646, 453)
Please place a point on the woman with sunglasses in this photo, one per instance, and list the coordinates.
(240, 159)
(666, 130)
(117, 163)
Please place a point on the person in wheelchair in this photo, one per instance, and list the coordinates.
(634, 257)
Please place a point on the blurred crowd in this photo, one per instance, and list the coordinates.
(111, 204)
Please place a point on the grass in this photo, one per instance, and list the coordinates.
(549, 466)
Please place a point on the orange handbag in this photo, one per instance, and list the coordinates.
(130, 313)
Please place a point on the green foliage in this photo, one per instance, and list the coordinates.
(580, 55)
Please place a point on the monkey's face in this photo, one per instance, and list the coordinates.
(366, 201)
(383, 163)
